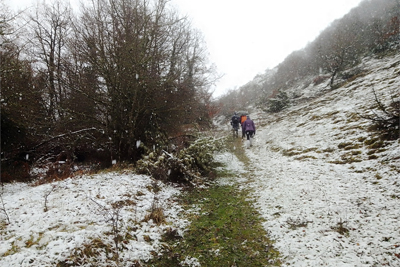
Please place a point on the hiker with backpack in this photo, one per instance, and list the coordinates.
(242, 119)
(235, 121)
(250, 129)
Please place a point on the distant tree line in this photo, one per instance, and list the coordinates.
(372, 28)
(101, 82)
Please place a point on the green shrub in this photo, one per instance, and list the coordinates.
(186, 165)
(280, 102)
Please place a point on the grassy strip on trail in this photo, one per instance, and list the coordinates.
(227, 231)
(235, 146)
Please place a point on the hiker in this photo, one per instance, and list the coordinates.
(235, 124)
(250, 129)
(242, 119)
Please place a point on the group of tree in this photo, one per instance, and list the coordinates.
(99, 82)
(372, 28)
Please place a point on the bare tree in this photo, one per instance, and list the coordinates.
(51, 25)
(21, 106)
(337, 49)
(128, 70)
(149, 65)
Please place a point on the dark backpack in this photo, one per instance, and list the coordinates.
(235, 119)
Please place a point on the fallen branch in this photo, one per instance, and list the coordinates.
(64, 135)
(389, 119)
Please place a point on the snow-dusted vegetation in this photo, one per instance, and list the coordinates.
(105, 125)
(325, 182)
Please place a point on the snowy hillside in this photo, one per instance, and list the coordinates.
(327, 187)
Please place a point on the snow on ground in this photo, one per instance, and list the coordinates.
(79, 211)
(234, 166)
(326, 201)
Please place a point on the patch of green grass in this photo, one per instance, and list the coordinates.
(235, 146)
(218, 169)
(224, 173)
(228, 231)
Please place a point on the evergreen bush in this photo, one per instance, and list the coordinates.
(280, 102)
(186, 165)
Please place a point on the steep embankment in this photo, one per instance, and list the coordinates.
(328, 187)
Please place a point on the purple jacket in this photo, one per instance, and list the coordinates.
(248, 125)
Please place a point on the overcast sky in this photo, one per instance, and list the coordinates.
(245, 38)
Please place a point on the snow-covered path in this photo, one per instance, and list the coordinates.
(324, 215)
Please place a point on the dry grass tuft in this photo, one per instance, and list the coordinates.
(157, 215)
